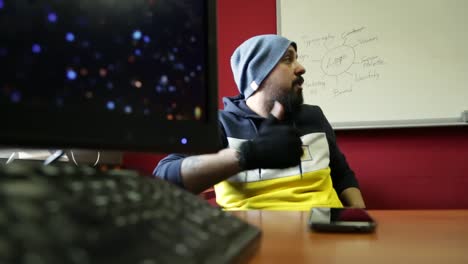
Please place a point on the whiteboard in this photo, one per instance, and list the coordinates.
(381, 63)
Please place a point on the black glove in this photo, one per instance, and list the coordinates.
(276, 147)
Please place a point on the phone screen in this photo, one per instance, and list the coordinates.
(341, 219)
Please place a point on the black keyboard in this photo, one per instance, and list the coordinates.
(78, 215)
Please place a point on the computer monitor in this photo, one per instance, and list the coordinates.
(137, 75)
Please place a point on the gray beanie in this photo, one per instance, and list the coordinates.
(254, 59)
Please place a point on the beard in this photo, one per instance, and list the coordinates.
(292, 102)
(291, 99)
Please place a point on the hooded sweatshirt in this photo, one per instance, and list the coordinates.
(317, 181)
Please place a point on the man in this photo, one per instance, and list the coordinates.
(279, 153)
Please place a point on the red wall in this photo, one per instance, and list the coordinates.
(238, 21)
(397, 168)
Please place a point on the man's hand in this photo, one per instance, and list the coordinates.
(352, 197)
(277, 146)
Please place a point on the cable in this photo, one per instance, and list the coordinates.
(95, 163)
(12, 157)
(54, 156)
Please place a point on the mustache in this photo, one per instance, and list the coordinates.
(298, 81)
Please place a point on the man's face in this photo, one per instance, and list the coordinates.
(284, 83)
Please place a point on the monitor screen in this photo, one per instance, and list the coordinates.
(137, 75)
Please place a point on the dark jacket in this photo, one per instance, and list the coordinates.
(237, 120)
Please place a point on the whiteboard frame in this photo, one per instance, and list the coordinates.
(431, 122)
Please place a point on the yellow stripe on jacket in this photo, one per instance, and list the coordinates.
(286, 193)
(284, 189)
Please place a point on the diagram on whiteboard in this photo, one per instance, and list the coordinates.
(338, 64)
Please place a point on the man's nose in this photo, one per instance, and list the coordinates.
(299, 70)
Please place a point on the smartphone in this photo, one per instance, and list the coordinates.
(326, 219)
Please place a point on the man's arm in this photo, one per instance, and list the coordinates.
(275, 147)
(344, 180)
(200, 172)
(352, 197)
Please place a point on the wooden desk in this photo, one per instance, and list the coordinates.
(402, 236)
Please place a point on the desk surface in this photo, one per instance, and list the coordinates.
(402, 236)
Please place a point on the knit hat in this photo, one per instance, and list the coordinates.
(254, 59)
